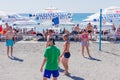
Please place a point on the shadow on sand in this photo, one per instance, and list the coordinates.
(16, 59)
(94, 59)
(75, 77)
(70, 76)
(111, 53)
(60, 70)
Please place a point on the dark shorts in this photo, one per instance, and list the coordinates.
(74, 32)
(89, 31)
(48, 73)
(67, 55)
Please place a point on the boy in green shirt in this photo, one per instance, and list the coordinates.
(51, 59)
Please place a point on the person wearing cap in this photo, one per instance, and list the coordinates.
(51, 59)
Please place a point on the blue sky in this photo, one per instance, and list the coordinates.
(81, 6)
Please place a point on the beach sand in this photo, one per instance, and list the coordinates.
(105, 64)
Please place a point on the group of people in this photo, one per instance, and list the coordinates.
(52, 56)
(114, 32)
(76, 31)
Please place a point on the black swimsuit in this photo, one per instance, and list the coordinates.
(89, 31)
(67, 55)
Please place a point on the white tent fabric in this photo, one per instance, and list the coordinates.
(109, 14)
(97, 23)
(24, 23)
(3, 13)
(10, 17)
(50, 13)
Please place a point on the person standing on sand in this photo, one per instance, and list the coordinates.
(51, 58)
(7, 26)
(66, 54)
(9, 40)
(50, 32)
(85, 42)
(90, 30)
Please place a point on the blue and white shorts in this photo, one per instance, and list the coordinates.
(48, 73)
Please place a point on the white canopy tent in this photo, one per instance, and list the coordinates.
(10, 17)
(25, 23)
(110, 14)
(51, 12)
(96, 23)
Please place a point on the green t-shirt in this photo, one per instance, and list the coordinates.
(52, 54)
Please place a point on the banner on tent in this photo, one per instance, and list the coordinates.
(39, 16)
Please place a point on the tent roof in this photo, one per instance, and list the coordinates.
(108, 13)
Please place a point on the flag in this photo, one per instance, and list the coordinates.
(55, 21)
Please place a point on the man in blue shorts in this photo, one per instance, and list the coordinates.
(9, 40)
(51, 59)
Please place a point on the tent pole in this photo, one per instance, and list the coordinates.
(100, 30)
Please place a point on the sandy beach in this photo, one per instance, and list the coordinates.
(28, 56)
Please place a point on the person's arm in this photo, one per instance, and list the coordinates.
(92, 30)
(43, 63)
(5, 37)
(14, 37)
(47, 41)
(88, 39)
(59, 58)
(80, 37)
(44, 60)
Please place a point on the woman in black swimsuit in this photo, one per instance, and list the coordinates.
(66, 54)
(90, 30)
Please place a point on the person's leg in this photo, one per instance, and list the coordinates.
(88, 51)
(83, 51)
(74, 37)
(55, 74)
(44, 78)
(91, 36)
(63, 62)
(11, 50)
(65, 65)
(47, 74)
(8, 51)
(54, 78)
